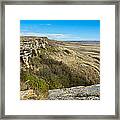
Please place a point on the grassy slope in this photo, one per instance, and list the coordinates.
(62, 65)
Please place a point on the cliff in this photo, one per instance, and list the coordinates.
(49, 64)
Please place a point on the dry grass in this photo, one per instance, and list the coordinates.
(63, 64)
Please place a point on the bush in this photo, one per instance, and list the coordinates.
(55, 82)
(39, 85)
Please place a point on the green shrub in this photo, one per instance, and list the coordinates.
(55, 82)
(39, 85)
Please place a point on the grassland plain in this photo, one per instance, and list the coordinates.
(47, 65)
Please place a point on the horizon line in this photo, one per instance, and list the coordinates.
(62, 40)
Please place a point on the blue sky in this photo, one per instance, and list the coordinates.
(64, 30)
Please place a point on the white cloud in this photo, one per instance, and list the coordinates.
(45, 24)
(48, 24)
(41, 34)
(58, 36)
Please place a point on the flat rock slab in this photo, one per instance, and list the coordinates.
(76, 93)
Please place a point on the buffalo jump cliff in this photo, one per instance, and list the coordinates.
(48, 66)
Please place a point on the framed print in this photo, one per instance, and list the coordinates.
(59, 59)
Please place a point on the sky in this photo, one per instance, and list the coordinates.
(62, 30)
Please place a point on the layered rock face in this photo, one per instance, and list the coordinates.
(29, 47)
(48, 64)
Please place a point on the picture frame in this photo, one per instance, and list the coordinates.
(70, 2)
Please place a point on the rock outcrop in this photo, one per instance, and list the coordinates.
(73, 93)
(76, 93)
(28, 95)
(29, 47)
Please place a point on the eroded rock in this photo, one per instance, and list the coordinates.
(76, 93)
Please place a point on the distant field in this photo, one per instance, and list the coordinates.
(88, 52)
